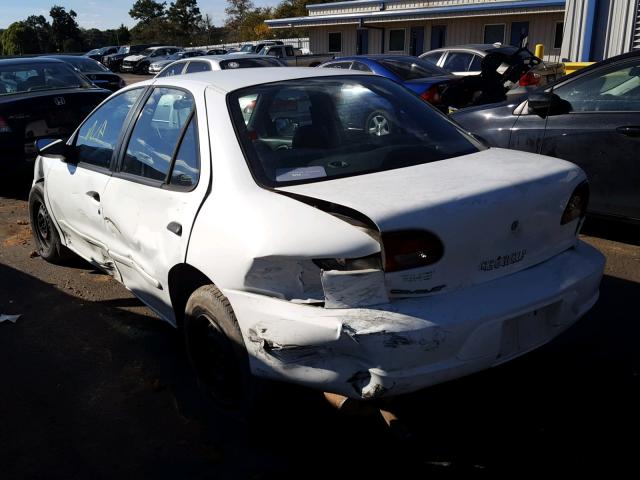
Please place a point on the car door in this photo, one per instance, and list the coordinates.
(154, 195)
(75, 190)
(601, 134)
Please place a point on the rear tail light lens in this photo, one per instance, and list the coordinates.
(577, 205)
(432, 95)
(4, 126)
(407, 249)
(529, 79)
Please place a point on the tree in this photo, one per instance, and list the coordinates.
(147, 10)
(19, 39)
(237, 12)
(66, 34)
(42, 29)
(184, 18)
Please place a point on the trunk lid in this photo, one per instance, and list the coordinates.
(496, 211)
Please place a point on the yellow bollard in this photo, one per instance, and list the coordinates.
(539, 50)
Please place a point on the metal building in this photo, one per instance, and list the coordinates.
(577, 30)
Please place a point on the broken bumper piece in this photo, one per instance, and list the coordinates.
(409, 344)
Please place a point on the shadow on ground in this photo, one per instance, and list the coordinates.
(90, 389)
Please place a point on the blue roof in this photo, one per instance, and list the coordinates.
(475, 7)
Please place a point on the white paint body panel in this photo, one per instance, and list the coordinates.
(257, 246)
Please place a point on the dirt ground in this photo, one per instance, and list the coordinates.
(93, 385)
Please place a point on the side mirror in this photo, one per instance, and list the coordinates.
(546, 104)
(55, 147)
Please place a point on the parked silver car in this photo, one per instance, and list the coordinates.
(466, 60)
(218, 62)
(158, 65)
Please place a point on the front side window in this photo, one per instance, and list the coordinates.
(99, 134)
(494, 33)
(396, 40)
(157, 132)
(432, 57)
(611, 89)
(316, 129)
(335, 42)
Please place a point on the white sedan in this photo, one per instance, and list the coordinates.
(209, 63)
(342, 235)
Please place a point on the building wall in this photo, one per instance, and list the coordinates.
(606, 31)
(459, 31)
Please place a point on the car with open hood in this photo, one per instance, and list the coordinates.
(293, 243)
(140, 62)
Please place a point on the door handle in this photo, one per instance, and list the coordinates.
(94, 195)
(175, 227)
(632, 131)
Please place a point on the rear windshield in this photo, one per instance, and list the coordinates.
(249, 63)
(316, 129)
(85, 65)
(37, 77)
(411, 68)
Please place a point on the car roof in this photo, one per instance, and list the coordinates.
(28, 60)
(236, 79)
(478, 47)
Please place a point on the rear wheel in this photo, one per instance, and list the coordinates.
(217, 352)
(45, 234)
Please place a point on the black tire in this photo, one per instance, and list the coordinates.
(45, 234)
(217, 352)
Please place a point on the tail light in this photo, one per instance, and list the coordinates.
(577, 205)
(432, 95)
(4, 126)
(530, 79)
(407, 249)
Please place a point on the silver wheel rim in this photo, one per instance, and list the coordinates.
(378, 125)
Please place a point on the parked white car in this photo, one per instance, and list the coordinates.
(344, 235)
(210, 63)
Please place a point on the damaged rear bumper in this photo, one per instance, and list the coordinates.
(409, 344)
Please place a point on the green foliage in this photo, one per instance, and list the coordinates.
(18, 39)
(147, 10)
(64, 28)
(184, 20)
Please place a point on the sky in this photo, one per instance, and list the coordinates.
(100, 14)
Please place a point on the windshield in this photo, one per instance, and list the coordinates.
(95, 51)
(123, 50)
(247, 48)
(411, 68)
(31, 77)
(316, 129)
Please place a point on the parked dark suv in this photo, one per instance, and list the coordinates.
(114, 61)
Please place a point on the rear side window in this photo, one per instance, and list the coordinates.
(342, 65)
(99, 134)
(248, 63)
(195, 67)
(157, 134)
(432, 57)
(186, 167)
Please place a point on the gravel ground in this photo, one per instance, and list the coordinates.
(95, 386)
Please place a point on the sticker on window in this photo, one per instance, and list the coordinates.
(300, 173)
